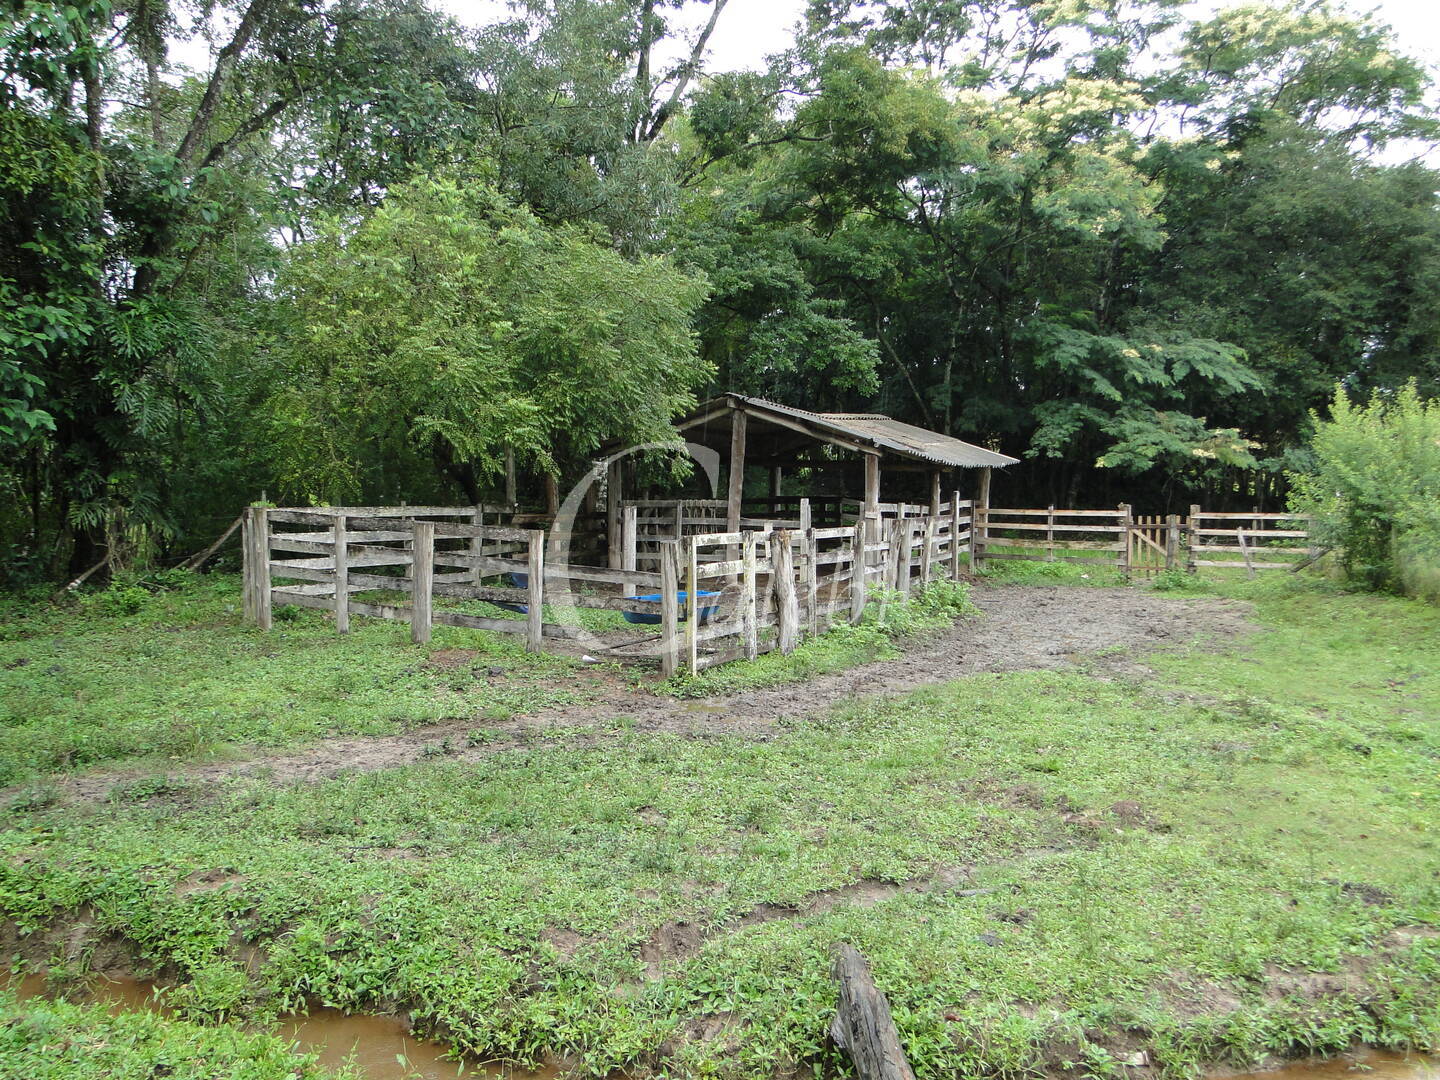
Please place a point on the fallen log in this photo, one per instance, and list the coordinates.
(863, 1026)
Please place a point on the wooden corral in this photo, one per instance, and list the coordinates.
(714, 597)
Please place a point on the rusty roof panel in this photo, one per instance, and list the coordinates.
(891, 435)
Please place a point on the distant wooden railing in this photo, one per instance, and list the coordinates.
(1143, 545)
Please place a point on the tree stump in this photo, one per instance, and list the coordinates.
(862, 1026)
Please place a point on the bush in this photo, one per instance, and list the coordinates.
(1374, 490)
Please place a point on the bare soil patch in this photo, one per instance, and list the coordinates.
(1022, 628)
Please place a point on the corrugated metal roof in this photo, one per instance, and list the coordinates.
(891, 435)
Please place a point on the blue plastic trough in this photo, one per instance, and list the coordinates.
(651, 618)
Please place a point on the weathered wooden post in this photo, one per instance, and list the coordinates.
(783, 576)
(629, 533)
(535, 588)
(1172, 541)
(341, 535)
(863, 1025)
(749, 624)
(858, 561)
(692, 606)
(955, 536)
(1245, 552)
(669, 607)
(927, 542)
(260, 537)
(1126, 520)
(422, 579)
(613, 484)
(1192, 537)
(905, 534)
(1050, 533)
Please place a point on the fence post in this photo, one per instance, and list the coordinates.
(857, 573)
(535, 586)
(342, 575)
(810, 576)
(422, 579)
(260, 534)
(907, 555)
(629, 535)
(477, 543)
(925, 552)
(1192, 537)
(1172, 541)
(669, 607)
(783, 575)
(1125, 539)
(1245, 552)
(692, 606)
(748, 629)
(1050, 533)
(955, 536)
(979, 528)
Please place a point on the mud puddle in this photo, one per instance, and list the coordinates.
(1370, 1064)
(381, 1047)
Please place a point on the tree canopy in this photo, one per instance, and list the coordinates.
(350, 248)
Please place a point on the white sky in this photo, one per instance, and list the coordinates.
(749, 30)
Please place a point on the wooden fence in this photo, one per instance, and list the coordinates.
(768, 587)
(1142, 545)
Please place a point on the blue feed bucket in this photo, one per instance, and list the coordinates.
(651, 618)
(517, 581)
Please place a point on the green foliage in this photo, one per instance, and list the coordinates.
(179, 675)
(1173, 879)
(45, 1040)
(1374, 489)
(456, 322)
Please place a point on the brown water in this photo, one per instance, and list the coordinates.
(1371, 1064)
(383, 1048)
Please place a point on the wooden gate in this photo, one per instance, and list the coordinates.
(1154, 544)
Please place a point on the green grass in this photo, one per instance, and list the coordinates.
(1171, 859)
(129, 673)
(42, 1040)
(888, 620)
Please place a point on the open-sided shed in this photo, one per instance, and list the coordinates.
(753, 432)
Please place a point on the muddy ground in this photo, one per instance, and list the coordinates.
(1021, 628)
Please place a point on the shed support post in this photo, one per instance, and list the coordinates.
(776, 481)
(613, 481)
(737, 471)
(935, 493)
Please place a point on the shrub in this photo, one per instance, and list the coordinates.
(1374, 490)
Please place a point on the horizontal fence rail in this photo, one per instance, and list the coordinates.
(713, 596)
(695, 594)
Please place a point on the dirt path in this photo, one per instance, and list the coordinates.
(1023, 628)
